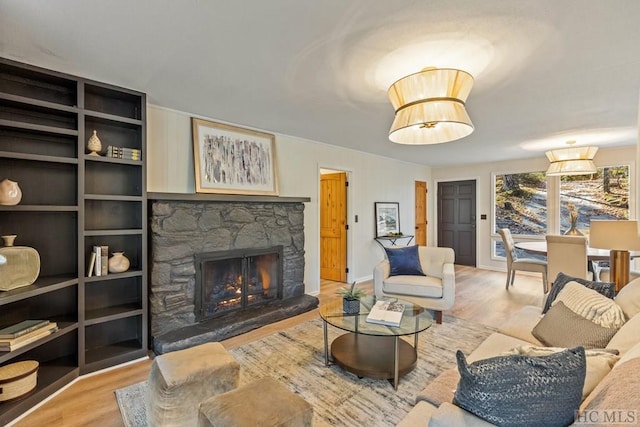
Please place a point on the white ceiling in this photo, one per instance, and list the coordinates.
(546, 71)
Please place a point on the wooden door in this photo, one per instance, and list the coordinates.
(457, 219)
(421, 213)
(333, 226)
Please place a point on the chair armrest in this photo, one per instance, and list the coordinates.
(381, 271)
(448, 284)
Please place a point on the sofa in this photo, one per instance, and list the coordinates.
(424, 275)
(612, 379)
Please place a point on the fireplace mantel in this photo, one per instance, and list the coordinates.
(200, 197)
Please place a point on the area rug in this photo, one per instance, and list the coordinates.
(295, 356)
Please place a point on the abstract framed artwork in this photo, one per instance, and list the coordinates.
(387, 218)
(233, 160)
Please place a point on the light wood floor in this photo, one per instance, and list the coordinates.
(480, 297)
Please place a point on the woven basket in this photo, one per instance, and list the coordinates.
(17, 379)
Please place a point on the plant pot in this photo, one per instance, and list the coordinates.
(350, 306)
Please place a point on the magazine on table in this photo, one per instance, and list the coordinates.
(386, 313)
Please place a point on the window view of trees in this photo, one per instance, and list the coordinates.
(521, 203)
(604, 195)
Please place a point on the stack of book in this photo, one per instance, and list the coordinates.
(124, 153)
(99, 261)
(15, 336)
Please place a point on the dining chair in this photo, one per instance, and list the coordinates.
(522, 264)
(567, 254)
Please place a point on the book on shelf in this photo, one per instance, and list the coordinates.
(97, 250)
(22, 328)
(104, 261)
(386, 313)
(92, 263)
(16, 343)
(124, 153)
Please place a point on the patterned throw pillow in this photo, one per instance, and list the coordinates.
(608, 289)
(404, 261)
(599, 362)
(561, 327)
(523, 390)
(591, 305)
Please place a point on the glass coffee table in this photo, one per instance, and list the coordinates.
(373, 350)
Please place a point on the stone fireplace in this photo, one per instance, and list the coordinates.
(248, 251)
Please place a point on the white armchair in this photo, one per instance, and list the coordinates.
(435, 290)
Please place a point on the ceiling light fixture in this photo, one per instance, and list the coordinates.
(430, 106)
(572, 160)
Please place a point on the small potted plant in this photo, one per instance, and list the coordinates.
(351, 299)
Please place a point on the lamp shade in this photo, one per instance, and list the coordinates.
(614, 235)
(430, 106)
(572, 161)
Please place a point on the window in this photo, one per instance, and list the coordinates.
(520, 206)
(521, 203)
(604, 195)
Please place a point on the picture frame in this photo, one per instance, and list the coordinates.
(233, 160)
(387, 218)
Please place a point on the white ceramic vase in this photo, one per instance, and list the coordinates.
(118, 263)
(10, 193)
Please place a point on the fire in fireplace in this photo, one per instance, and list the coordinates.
(235, 279)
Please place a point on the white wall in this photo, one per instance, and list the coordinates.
(483, 174)
(371, 179)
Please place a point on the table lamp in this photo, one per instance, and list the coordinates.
(619, 237)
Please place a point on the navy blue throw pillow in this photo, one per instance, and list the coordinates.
(608, 289)
(521, 390)
(404, 261)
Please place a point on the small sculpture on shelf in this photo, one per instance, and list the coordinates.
(118, 263)
(94, 144)
(10, 193)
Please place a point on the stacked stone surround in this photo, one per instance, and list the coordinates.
(180, 229)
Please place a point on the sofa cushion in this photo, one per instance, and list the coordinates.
(607, 289)
(591, 305)
(616, 395)
(629, 298)
(419, 286)
(449, 415)
(494, 345)
(599, 362)
(627, 336)
(418, 415)
(522, 322)
(404, 261)
(561, 327)
(523, 390)
(632, 353)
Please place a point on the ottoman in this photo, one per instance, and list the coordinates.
(179, 381)
(264, 402)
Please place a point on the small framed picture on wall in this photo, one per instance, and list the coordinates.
(387, 218)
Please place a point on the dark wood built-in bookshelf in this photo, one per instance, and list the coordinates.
(70, 202)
